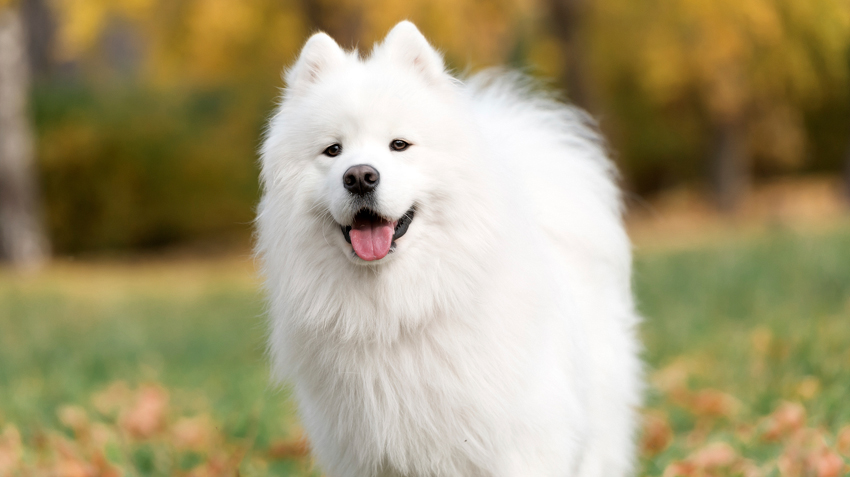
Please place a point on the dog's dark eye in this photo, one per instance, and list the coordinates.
(333, 150)
(399, 145)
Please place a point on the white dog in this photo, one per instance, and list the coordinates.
(447, 271)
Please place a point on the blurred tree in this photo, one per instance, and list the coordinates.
(153, 140)
(22, 241)
(567, 18)
(728, 161)
(751, 67)
(40, 30)
(341, 19)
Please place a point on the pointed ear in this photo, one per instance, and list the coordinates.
(405, 45)
(319, 55)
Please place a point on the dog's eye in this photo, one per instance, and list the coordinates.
(333, 150)
(399, 145)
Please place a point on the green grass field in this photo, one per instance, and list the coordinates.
(159, 369)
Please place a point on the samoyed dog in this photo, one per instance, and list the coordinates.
(447, 272)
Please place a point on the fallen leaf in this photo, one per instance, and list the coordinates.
(193, 433)
(787, 418)
(220, 465)
(843, 441)
(147, 415)
(69, 463)
(290, 448)
(657, 433)
(806, 453)
(101, 434)
(73, 468)
(671, 378)
(827, 464)
(74, 418)
(699, 434)
(715, 455)
(713, 403)
(681, 469)
(10, 449)
(789, 464)
(745, 431)
(747, 468)
(105, 468)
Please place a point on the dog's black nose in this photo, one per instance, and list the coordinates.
(361, 179)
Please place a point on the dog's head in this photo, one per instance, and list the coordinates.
(371, 158)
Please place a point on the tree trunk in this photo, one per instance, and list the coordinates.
(343, 21)
(22, 240)
(729, 165)
(566, 18)
(40, 29)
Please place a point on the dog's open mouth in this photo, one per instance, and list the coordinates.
(372, 236)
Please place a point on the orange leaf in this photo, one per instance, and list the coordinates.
(290, 449)
(843, 442)
(104, 467)
(713, 403)
(70, 467)
(10, 449)
(147, 416)
(75, 418)
(827, 464)
(718, 454)
(681, 469)
(657, 433)
(192, 433)
(787, 418)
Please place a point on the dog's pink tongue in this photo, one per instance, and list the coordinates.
(371, 240)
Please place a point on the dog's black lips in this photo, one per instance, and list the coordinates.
(400, 226)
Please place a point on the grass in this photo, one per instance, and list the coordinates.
(195, 330)
(765, 322)
(158, 369)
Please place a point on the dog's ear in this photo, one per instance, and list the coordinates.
(405, 45)
(319, 55)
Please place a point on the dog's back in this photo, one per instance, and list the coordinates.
(559, 160)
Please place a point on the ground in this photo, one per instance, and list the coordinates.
(157, 367)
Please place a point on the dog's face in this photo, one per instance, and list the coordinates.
(369, 150)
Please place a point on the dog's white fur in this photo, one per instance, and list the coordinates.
(498, 339)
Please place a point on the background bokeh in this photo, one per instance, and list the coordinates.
(148, 113)
(131, 321)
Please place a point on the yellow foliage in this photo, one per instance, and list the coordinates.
(547, 57)
(759, 61)
(81, 22)
(214, 27)
(752, 48)
(750, 62)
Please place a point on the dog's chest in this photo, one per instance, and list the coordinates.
(398, 406)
